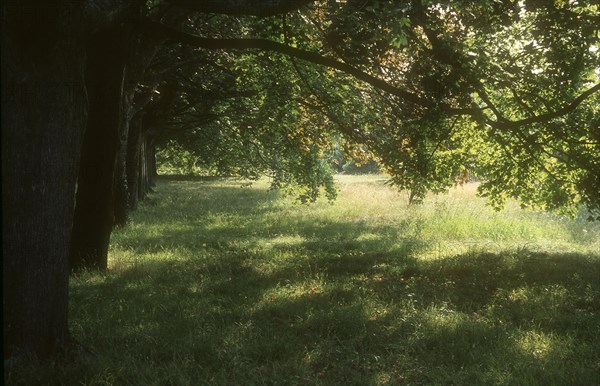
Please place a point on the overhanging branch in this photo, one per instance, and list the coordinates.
(543, 118)
(313, 57)
(268, 45)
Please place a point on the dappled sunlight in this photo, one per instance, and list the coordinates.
(320, 296)
(543, 347)
(448, 337)
(551, 296)
(442, 225)
(283, 241)
(368, 237)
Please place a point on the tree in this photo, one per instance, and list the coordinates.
(117, 59)
(93, 218)
(44, 115)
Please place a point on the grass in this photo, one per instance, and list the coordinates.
(217, 284)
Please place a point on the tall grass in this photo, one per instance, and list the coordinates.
(217, 284)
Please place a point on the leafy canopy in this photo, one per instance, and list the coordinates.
(504, 90)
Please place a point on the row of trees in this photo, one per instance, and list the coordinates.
(432, 89)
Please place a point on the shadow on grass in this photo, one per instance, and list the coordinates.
(367, 318)
(218, 217)
(220, 196)
(254, 296)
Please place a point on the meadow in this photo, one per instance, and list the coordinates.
(215, 283)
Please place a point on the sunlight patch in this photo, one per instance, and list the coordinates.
(284, 241)
(369, 237)
(535, 344)
(544, 346)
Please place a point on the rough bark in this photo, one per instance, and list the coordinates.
(142, 176)
(44, 115)
(148, 158)
(122, 191)
(121, 196)
(141, 51)
(152, 162)
(43, 119)
(133, 160)
(141, 162)
(94, 213)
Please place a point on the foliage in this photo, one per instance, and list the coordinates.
(217, 284)
(253, 126)
(173, 159)
(502, 89)
(483, 70)
(351, 167)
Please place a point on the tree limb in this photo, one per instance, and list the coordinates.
(268, 45)
(550, 115)
(313, 57)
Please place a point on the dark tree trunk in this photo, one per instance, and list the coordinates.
(140, 53)
(43, 120)
(94, 213)
(142, 179)
(147, 167)
(121, 197)
(122, 191)
(133, 160)
(141, 160)
(118, 58)
(152, 163)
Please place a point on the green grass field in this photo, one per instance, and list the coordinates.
(218, 284)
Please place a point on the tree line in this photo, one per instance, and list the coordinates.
(431, 90)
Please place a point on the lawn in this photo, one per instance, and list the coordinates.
(215, 283)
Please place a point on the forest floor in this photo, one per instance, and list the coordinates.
(215, 283)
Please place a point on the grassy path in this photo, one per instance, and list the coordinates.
(222, 285)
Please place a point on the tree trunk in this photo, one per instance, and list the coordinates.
(147, 168)
(142, 173)
(121, 197)
(133, 160)
(140, 54)
(122, 190)
(94, 213)
(152, 162)
(43, 120)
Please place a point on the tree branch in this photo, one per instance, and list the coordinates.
(268, 45)
(550, 115)
(313, 57)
